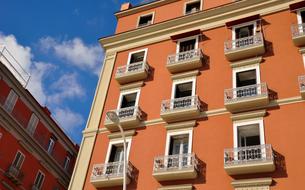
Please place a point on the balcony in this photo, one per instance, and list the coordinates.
(130, 118)
(132, 72)
(244, 47)
(246, 98)
(175, 167)
(110, 174)
(34, 187)
(180, 109)
(185, 61)
(15, 175)
(302, 86)
(251, 159)
(298, 34)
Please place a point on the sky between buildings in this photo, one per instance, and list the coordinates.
(57, 43)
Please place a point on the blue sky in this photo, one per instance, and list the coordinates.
(56, 42)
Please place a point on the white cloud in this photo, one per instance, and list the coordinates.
(65, 87)
(75, 52)
(68, 119)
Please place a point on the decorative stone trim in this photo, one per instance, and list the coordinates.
(177, 187)
(258, 182)
(132, 85)
(180, 125)
(118, 134)
(245, 62)
(185, 75)
(248, 115)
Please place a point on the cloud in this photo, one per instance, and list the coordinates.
(68, 119)
(66, 87)
(75, 52)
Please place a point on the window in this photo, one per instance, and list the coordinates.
(187, 44)
(301, 16)
(192, 7)
(67, 163)
(51, 145)
(145, 20)
(128, 101)
(182, 93)
(18, 161)
(39, 180)
(137, 56)
(241, 32)
(10, 101)
(32, 124)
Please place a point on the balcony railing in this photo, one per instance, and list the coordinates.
(34, 187)
(131, 68)
(298, 30)
(14, 66)
(232, 45)
(250, 154)
(246, 92)
(180, 103)
(110, 170)
(14, 174)
(128, 112)
(185, 56)
(302, 83)
(175, 162)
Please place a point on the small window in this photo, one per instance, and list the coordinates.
(10, 101)
(39, 180)
(301, 16)
(145, 20)
(18, 161)
(192, 7)
(179, 144)
(248, 135)
(51, 145)
(246, 78)
(187, 45)
(137, 57)
(32, 124)
(67, 163)
(184, 90)
(244, 31)
(129, 100)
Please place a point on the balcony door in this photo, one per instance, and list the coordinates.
(178, 149)
(186, 47)
(240, 34)
(246, 78)
(127, 104)
(136, 60)
(182, 91)
(116, 158)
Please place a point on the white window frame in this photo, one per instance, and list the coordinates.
(181, 81)
(19, 160)
(114, 142)
(11, 101)
(303, 57)
(133, 52)
(196, 37)
(247, 68)
(129, 92)
(152, 19)
(242, 25)
(32, 124)
(67, 162)
(169, 134)
(49, 149)
(299, 18)
(192, 1)
(241, 123)
(44, 176)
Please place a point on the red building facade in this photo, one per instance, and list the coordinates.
(210, 95)
(35, 153)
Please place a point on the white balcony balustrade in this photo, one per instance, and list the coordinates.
(175, 167)
(251, 159)
(179, 109)
(110, 174)
(302, 86)
(132, 72)
(244, 47)
(129, 117)
(184, 61)
(246, 98)
(298, 34)
(15, 175)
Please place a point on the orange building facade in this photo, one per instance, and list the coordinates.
(210, 95)
(35, 153)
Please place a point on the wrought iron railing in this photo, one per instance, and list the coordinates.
(110, 170)
(185, 56)
(14, 66)
(298, 30)
(302, 83)
(131, 68)
(180, 103)
(128, 112)
(15, 173)
(245, 92)
(246, 42)
(244, 155)
(175, 162)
